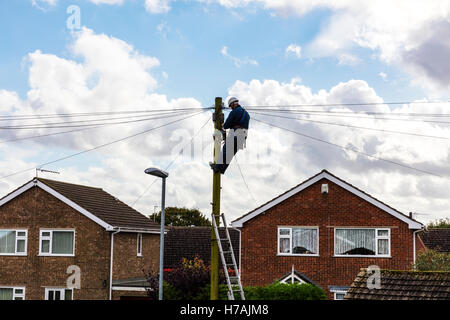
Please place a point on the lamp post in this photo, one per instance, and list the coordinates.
(160, 174)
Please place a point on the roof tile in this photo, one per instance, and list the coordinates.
(402, 285)
(103, 205)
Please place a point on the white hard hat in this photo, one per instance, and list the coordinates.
(231, 100)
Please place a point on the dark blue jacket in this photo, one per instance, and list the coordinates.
(237, 117)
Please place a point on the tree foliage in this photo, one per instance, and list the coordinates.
(174, 216)
(185, 282)
(441, 223)
(191, 281)
(431, 260)
(285, 291)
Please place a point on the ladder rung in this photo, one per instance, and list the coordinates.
(228, 251)
(224, 239)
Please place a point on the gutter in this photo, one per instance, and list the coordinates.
(111, 263)
(240, 247)
(414, 243)
(139, 230)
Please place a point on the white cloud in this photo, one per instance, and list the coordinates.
(237, 61)
(110, 75)
(44, 5)
(49, 2)
(157, 6)
(346, 59)
(301, 157)
(294, 50)
(112, 2)
(413, 35)
(383, 75)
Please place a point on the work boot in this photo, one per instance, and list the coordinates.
(214, 167)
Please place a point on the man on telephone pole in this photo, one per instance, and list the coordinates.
(237, 121)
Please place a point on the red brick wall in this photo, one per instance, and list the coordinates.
(126, 262)
(35, 209)
(338, 208)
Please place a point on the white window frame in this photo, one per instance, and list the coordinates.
(50, 238)
(290, 241)
(61, 292)
(338, 291)
(139, 244)
(377, 237)
(20, 296)
(15, 253)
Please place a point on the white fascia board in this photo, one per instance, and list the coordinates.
(136, 230)
(74, 205)
(56, 194)
(411, 223)
(18, 192)
(140, 289)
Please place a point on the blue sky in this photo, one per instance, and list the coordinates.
(188, 44)
(144, 54)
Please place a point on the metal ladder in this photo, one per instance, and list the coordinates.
(233, 283)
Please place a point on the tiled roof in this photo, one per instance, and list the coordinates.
(103, 205)
(402, 285)
(437, 239)
(187, 242)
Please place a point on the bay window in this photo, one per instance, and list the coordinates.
(361, 242)
(298, 240)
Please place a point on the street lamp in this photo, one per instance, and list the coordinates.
(160, 174)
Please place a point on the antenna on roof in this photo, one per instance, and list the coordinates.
(43, 170)
(412, 214)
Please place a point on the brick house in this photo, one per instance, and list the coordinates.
(327, 230)
(50, 229)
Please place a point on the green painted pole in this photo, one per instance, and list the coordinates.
(218, 120)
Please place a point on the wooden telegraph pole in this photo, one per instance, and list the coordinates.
(218, 120)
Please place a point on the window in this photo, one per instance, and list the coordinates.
(12, 293)
(58, 294)
(139, 244)
(298, 241)
(57, 242)
(362, 242)
(339, 295)
(339, 292)
(13, 242)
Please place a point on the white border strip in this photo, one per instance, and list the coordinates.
(129, 289)
(74, 205)
(18, 192)
(57, 195)
(411, 223)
